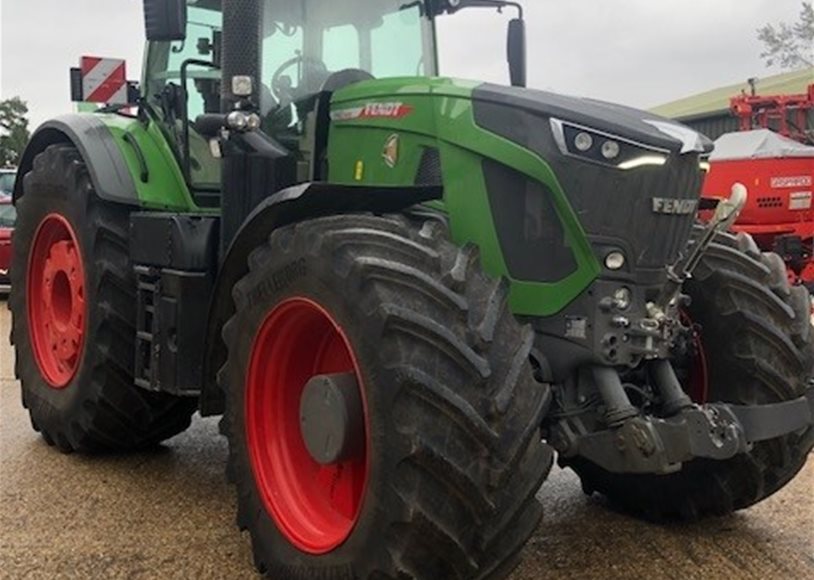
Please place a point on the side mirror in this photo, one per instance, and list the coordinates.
(517, 52)
(165, 20)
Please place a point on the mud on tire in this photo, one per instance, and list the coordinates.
(100, 408)
(759, 348)
(454, 413)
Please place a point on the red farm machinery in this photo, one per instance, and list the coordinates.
(773, 154)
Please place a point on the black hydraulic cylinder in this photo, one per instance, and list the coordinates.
(241, 56)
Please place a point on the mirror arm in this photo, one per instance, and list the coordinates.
(519, 7)
(441, 6)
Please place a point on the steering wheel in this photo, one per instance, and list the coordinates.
(282, 89)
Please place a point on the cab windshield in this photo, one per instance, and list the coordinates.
(304, 43)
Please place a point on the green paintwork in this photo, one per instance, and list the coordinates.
(442, 117)
(166, 188)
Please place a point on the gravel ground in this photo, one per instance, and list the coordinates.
(169, 514)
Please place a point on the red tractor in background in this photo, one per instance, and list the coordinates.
(773, 156)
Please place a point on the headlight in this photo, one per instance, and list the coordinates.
(583, 142)
(643, 161)
(610, 150)
(614, 151)
(615, 260)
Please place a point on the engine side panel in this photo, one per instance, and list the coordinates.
(434, 119)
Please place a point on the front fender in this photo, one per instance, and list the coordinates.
(129, 162)
(295, 204)
(109, 173)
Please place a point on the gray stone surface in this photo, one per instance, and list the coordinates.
(170, 514)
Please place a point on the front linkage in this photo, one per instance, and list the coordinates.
(635, 443)
(661, 445)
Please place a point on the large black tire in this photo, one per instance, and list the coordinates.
(758, 343)
(100, 409)
(454, 412)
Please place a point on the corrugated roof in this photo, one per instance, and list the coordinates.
(718, 99)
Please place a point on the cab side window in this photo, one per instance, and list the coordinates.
(164, 64)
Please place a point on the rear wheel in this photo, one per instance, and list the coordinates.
(382, 416)
(73, 307)
(755, 347)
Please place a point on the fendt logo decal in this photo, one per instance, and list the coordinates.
(673, 206)
(796, 181)
(373, 111)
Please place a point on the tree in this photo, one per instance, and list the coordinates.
(790, 46)
(13, 131)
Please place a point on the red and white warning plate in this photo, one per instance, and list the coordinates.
(104, 80)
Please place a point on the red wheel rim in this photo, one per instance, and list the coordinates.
(56, 300)
(314, 506)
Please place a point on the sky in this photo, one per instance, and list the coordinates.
(637, 52)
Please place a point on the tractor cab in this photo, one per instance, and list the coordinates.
(301, 46)
(304, 50)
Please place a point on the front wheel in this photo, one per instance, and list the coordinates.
(755, 346)
(382, 416)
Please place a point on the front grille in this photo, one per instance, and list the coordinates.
(615, 205)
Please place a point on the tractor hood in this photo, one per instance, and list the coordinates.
(632, 179)
(501, 106)
(614, 119)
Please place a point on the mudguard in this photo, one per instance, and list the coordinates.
(108, 169)
(130, 162)
(297, 203)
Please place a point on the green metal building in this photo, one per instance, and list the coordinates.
(709, 113)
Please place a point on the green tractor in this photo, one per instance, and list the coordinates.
(404, 293)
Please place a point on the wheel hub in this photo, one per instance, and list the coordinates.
(332, 418)
(56, 300)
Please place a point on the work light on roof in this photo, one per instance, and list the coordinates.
(242, 86)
